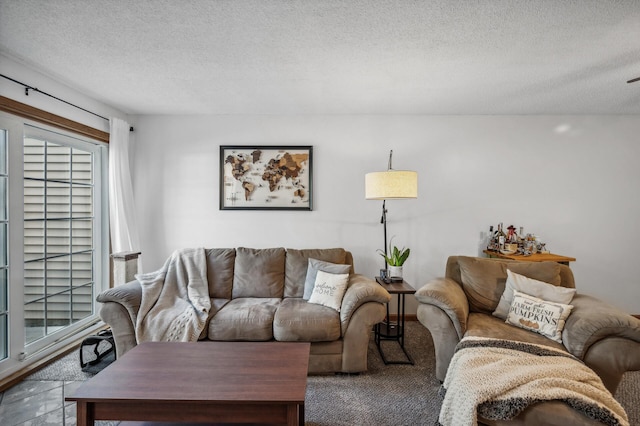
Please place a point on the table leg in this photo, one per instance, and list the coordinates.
(84, 413)
(398, 335)
(401, 317)
(301, 414)
(401, 314)
(295, 415)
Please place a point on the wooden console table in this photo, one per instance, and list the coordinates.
(538, 257)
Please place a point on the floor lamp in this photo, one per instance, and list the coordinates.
(390, 185)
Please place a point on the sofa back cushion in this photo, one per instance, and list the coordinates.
(258, 273)
(483, 280)
(220, 263)
(297, 263)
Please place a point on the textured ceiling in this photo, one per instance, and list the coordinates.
(335, 57)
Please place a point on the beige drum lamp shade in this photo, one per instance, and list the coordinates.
(391, 184)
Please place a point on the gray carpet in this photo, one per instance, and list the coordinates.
(385, 395)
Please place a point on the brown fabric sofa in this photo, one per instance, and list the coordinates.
(460, 304)
(257, 295)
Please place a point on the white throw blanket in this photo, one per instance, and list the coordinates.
(175, 299)
(500, 378)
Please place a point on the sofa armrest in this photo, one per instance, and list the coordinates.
(360, 290)
(447, 295)
(592, 320)
(128, 295)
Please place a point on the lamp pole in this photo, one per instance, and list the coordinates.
(383, 221)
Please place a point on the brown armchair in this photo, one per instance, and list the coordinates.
(461, 304)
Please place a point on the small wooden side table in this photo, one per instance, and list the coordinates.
(394, 331)
(538, 257)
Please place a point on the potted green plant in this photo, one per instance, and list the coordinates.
(395, 259)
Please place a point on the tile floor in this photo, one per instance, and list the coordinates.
(38, 403)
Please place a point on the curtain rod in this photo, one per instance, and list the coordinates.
(35, 89)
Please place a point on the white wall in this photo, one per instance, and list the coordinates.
(572, 180)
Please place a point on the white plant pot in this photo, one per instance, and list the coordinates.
(395, 271)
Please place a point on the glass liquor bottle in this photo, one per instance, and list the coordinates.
(501, 237)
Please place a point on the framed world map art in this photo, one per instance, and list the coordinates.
(266, 177)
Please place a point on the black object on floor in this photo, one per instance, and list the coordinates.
(96, 349)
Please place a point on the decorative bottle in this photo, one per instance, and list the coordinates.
(502, 237)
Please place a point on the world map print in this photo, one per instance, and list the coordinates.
(263, 177)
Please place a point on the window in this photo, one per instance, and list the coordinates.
(53, 240)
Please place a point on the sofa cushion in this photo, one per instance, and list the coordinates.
(297, 320)
(314, 267)
(537, 315)
(532, 287)
(244, 319)
(297, 263)
(258, 273)
(481, 325)
(220, 264)
(216, 305)
(483, 280)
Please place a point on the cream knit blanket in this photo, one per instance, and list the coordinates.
(500, 378)
(175, 299)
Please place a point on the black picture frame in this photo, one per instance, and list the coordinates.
(266, 177)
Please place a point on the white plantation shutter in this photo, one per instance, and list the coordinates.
(58, 236)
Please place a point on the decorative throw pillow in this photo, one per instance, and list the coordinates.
(316, 265)
(540, 316)
(531, 287)
(329, 289)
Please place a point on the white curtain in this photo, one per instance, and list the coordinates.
(124, 231)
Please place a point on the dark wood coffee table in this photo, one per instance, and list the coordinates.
(203, 382)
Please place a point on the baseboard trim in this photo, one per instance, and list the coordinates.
(407, 317)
